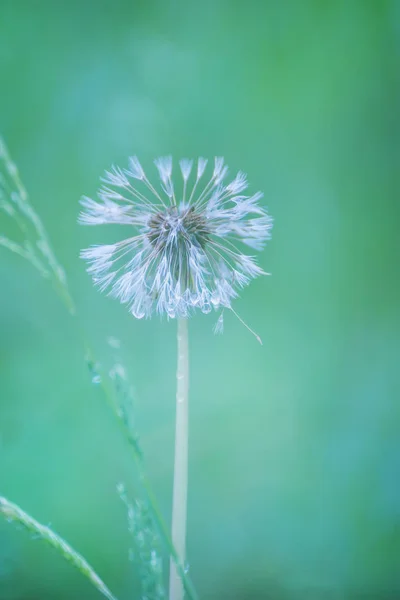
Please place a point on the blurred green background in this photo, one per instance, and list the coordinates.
(294, 446)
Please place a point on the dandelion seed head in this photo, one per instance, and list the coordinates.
(187, 250)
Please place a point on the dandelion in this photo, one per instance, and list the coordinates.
(187, 249)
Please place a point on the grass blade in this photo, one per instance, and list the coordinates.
(12, 512)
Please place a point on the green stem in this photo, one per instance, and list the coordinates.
(179, 501)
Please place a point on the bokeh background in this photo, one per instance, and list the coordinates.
(294, 446)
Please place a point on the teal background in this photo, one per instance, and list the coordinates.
(294, 446)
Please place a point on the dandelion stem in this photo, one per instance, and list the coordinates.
(179, 501)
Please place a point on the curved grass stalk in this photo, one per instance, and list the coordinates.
(12, 512)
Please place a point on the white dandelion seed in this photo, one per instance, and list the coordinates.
(219, 325)
(187, 245)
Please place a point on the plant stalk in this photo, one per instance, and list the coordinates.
(179, 500)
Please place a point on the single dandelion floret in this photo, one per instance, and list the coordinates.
(187, 248)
